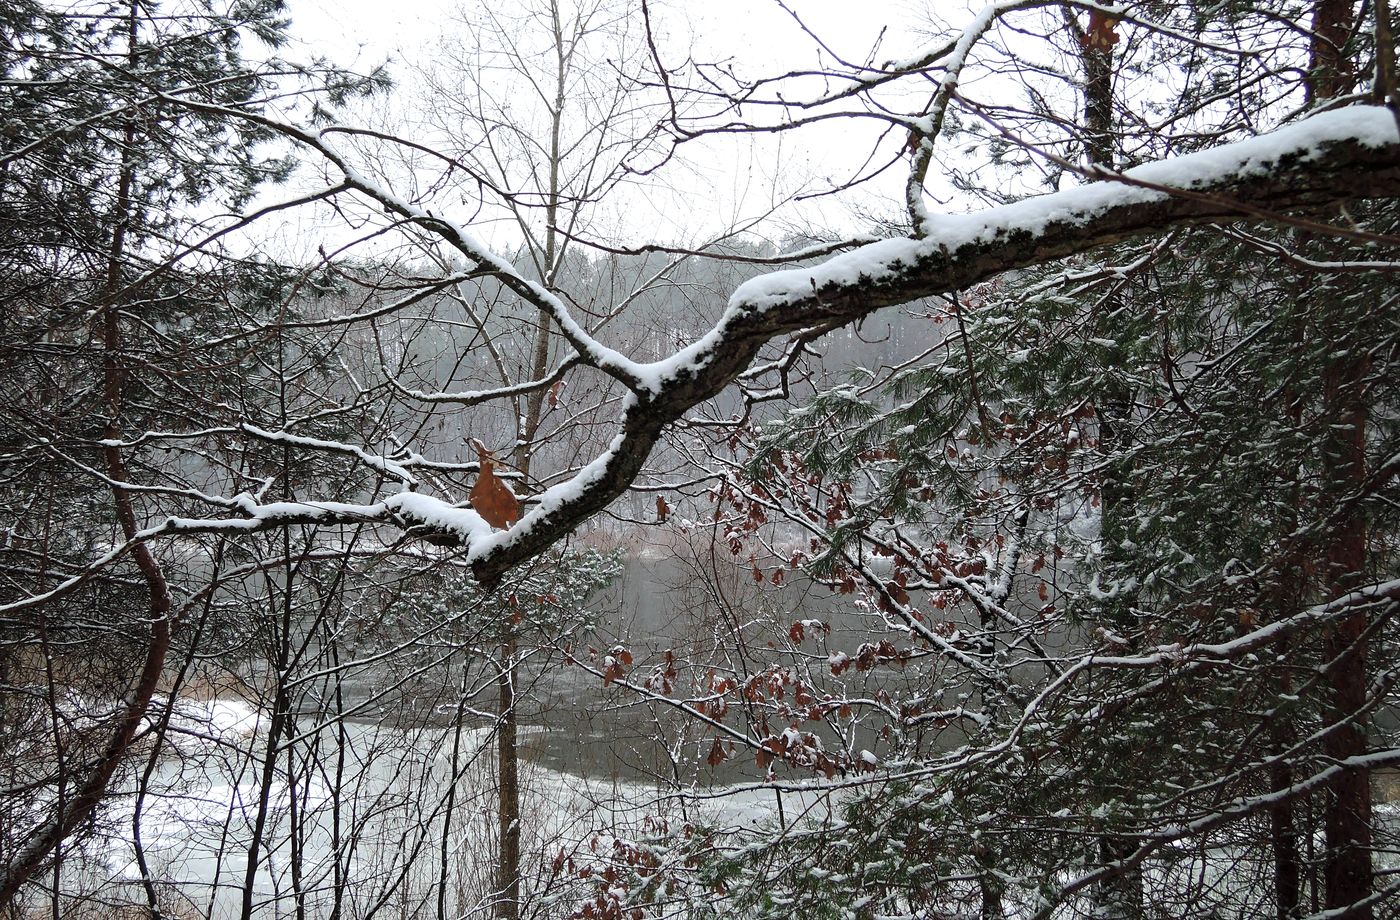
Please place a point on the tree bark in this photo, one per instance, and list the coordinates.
(508, 792)
(1098, 105)
(1283, 832)
(1120, 895)
(1347, 869)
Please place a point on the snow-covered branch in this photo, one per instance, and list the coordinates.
(1332, 157)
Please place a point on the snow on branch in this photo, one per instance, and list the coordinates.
(1350, 153)
(1287, 156)
(1331, 157)
(382, 465)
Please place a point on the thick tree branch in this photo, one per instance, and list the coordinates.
(1345, 155)
(1336, 156)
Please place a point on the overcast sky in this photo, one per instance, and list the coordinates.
(757, 30)
(758, 35)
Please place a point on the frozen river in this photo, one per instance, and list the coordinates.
(387, 826)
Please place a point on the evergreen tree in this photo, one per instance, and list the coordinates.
(109, 266)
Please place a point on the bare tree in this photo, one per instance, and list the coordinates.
(509, 351)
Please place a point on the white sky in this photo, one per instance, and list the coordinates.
(758, 30)
(738, 175)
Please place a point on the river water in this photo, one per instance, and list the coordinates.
(376, 816)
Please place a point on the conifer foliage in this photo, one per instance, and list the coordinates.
(1112, 545)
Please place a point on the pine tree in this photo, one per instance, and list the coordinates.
(109, 268)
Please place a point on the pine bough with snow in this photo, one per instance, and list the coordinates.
(1112, 510)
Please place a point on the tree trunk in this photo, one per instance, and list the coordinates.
(508, 792)
(1347, 861)
(1283, 833)
(1347, 871)
(1286, 595)
(92, 788)
(990, 885)
(1098, 106)
(1120, 895)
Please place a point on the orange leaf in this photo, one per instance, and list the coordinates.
(490, 497)
(1101, 33)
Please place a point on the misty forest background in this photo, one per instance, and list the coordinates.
(418, 498)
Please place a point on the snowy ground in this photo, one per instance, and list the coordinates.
(203, 800)
(387, 823)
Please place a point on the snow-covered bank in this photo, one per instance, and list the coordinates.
(381, 826)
